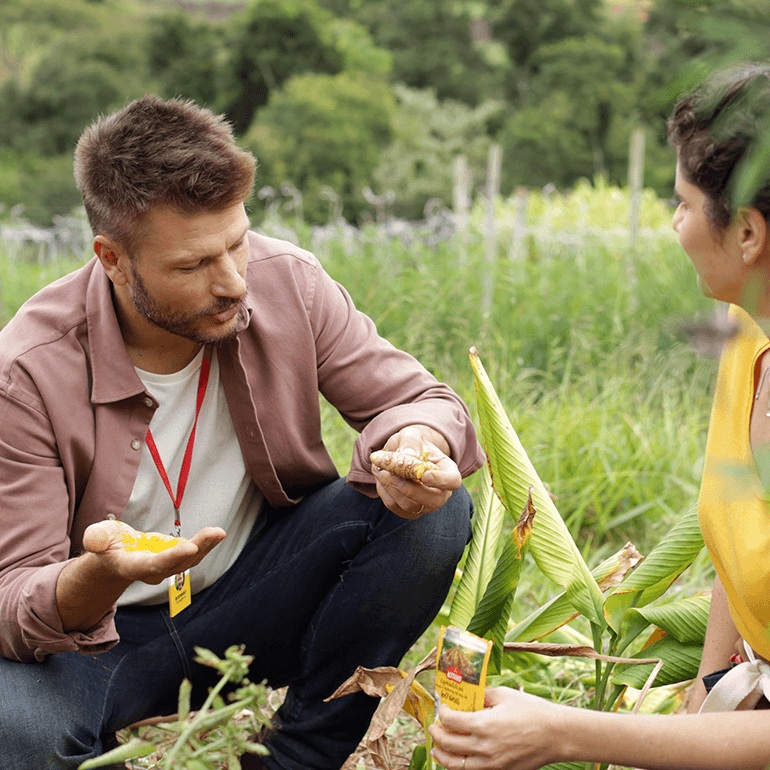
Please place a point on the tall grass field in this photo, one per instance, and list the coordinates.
(577, 328)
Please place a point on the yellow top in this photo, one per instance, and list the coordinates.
(733, 514)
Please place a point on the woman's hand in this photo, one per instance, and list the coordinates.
(517, 731)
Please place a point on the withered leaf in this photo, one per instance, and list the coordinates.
(371, 680)
(569, 651)
(626, 559)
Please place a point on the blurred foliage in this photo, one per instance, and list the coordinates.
(186, 57)
(591, 140)
(428, 134)
(444, 46)
(378, 94)
(324, 131)
(275, 40)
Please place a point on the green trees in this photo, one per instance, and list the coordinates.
(428, 134)
(574, 119)
(381, 94)
(324, 131)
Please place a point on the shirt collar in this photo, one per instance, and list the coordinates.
(114, 377)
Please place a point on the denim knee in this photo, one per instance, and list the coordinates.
(448, 529)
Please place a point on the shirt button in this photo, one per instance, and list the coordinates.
(148, 401)
(136, 444)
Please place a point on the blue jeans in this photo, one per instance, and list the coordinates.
(332, 583)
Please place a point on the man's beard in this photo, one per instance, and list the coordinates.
(184, 324)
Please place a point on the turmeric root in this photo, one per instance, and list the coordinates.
(154, 543)
(403, 465)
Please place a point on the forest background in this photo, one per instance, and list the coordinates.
(338, 97)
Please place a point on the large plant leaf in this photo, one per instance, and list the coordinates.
(513, 474)
(506, 575)
(654, 575)
(482, 552)
(494, 610)
(685, 620)
(680, 663)
(558, 611)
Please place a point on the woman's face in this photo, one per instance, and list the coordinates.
(715, 255)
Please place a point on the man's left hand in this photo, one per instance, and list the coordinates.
(412, 499)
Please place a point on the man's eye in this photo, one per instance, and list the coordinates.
(674, 201)
(192, 268)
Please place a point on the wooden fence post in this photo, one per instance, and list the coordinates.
(490, 232)
(461, 202)
(635, 186)
(635, 182)
(518, 237)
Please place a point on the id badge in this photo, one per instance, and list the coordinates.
(179, 595)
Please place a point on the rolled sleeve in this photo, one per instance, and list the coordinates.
(380, 389)
(40, 625)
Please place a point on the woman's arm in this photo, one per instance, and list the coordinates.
(721, 639)
(523, 732)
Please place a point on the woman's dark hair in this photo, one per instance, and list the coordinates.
(714, 128)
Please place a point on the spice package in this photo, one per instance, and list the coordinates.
(461, 669)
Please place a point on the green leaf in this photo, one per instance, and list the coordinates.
(185, 689)
(654, 575)
(482, 551)
(205, 721)
(558, 611)
(685, 620)
(498, 598)
(752, 170)
(419, 758)
(131, 750)
(680, 663)
(513, 474)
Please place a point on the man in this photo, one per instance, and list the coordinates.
(171, 386)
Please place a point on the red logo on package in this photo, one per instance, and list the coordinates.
(454, 674)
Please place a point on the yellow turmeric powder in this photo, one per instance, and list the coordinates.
(145, 542)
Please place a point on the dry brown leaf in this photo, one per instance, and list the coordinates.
(627, 558)
(570, 651)
(371, 680)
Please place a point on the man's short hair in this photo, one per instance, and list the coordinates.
(155, 153)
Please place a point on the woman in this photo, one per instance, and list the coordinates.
(712, 131)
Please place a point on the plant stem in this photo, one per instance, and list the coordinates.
(190, 729)
(599, 690)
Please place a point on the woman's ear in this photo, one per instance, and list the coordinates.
(752, 233)
(114, 259)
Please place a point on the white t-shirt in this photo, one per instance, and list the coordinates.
(219, 491)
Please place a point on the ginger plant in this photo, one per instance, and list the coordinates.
(634, 640)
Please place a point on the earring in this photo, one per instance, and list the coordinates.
(745, 258)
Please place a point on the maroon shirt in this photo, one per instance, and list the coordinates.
(74, 415)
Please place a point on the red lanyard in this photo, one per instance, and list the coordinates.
(184, 471)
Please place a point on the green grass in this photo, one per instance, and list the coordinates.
(610, 405)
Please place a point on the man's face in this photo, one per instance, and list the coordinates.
(188, 273)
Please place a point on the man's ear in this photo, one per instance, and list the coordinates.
(114, 259)
(752, 233)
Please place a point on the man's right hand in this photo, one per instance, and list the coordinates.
(89, 586)
(107, 540)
